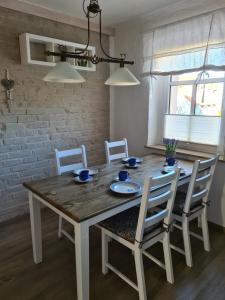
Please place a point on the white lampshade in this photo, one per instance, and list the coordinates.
(64, 72)
(122, 77)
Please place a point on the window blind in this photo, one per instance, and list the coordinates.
(196, 129)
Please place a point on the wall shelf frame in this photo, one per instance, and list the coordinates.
(33, 47)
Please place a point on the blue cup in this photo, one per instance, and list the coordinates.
(171, 161)
(132, 161)
(84, 175)
(123, 175)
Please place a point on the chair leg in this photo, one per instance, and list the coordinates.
(199, 222)
(60, 227)
(205, 230)
(168, 258)
(105, 252)
(140, 274)
(187, 242)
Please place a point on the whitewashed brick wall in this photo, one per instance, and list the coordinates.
(44, 115)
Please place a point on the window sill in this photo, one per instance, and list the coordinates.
(183, 153)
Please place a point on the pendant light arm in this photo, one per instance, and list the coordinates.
(100, 36)
(94, 59)
(88, 40)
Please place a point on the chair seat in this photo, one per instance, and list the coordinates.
(180, 201)
(125, 225)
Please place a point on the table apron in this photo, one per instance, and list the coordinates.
(53, 208)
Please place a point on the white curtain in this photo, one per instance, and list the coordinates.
(196, 44)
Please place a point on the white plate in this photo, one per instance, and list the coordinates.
(138, 159)
(77, 179)
(123, 187)
(91, 171)
(169, 169)
(131, 167)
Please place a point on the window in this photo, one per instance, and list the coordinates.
(195, 107)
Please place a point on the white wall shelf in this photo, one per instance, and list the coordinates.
(33, 47)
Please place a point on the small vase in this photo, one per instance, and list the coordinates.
(170, 159)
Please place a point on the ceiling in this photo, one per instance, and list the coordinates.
(114, 11)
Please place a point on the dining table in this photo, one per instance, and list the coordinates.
(86, 204)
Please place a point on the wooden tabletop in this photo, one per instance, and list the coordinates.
(83, 201)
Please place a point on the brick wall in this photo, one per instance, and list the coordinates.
(44, 115)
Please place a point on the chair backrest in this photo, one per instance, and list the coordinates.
(81, 151)
(149, 202)
(110, 145)
(200, 183)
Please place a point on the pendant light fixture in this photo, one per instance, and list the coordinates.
(64, 72)
(122, 77)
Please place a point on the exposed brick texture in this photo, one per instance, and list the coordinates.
(45, 115)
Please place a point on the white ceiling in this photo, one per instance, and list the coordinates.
(114, 11)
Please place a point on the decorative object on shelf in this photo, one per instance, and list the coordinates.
(170, 152)
(81, 62)
(121, 77)
(8, 84)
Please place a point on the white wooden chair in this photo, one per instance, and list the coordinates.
(194, 205)
(116, 144)
(139, 228)
(80, 151)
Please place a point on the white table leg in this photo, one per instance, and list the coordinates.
(35, 220)
(82, 260)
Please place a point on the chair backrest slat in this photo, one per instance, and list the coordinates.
(81, 151)
(110, 145)
(158, 200)
(201, 178)
(206, 164)
(147, 216)
(116, 144)
(198, 196)
(163, 180)
(70, 152)
(156, 218)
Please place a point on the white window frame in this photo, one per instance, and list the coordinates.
(194, 85)
(188, 144)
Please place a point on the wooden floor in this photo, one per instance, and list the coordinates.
(54, 279)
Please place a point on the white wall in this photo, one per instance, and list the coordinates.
(129, 105)
(217, 196)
